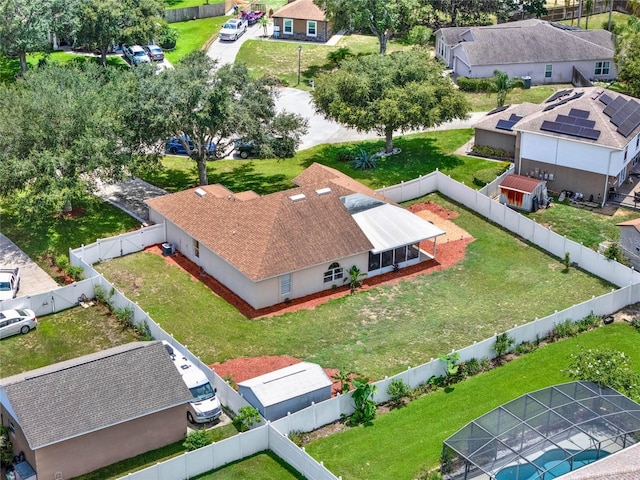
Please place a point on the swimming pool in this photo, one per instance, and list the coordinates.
(553, 461)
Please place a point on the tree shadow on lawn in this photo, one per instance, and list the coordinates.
(9, 68)
(419, 156)
(171, 179)
(244, 177)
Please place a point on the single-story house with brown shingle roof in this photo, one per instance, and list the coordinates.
(523, 193)
(289, 244)
(581, 140)
(546, 52)
(301, 20)
(77, 416)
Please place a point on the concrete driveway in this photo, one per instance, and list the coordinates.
(33, 279)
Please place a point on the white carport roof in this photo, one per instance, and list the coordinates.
(289, 382)
(387, 226)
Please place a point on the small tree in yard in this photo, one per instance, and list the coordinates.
(397, 391)
(197, 439)
(363, 399)
(607, 368)
(245, 418)
(503, 344)
(355, 278)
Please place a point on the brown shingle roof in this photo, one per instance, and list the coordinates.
(271, 235)
(301, 10)
(520, 183)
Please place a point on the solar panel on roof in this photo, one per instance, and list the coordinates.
(589, 133)
(606, 99)
(629, 125)
(515, 118)
(550, 126)
(499, 109)
(576, 112)
(557, 95)
(505, 125)
(550, 107)
(570, 129)
(583, 122)
(596, 94)
(566, 119)
(614, 106)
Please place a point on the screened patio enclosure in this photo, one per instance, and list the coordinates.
(543, 434)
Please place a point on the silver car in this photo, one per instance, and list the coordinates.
(21, 320)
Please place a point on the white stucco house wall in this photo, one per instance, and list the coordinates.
(544, 51)
(579, 140)
(274, 248)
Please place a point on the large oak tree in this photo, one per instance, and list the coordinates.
(388, 93)
(210, 105)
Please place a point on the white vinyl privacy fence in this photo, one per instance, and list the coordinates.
(273, 436)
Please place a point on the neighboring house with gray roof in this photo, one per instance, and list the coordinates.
(289, 244)
(79, 415)
(630, 241)
(579, 140)
(301, 20)
(547, 52)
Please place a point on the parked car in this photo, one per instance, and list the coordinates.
(233, 29)
(9, 283)
(17, 321)
(246, 149)
(154, 52)
(175, 147)
(135, 54)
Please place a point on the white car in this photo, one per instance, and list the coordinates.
(233, 29)
(136, 54)
(17, 321)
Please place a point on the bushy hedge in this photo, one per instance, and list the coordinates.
(467, 84)
(487, 151)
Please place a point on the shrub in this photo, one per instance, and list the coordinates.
(605, 25)
(473, 367)
(398, 390)
(6, 446)
(525, 347)
(245, 418)
(484, 176)
(607, 368)
(365, 407)
(426, 474)
(565, 329)
(75, 272)
(487, 151)
(143, 331)
(419, 35)
(567, 261)
(197, 439)
(337, 56)
(344, 376)
(503, 344)
(168, 38)
(297, 437)
(124, 316)
(345, 155)
(364, 160)
(62, 261)
(635, 323)
(613, 252)
(588, 323)
(467, 84)
(101, 295)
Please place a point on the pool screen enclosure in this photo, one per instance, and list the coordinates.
(543, 434)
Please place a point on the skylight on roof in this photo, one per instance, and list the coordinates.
(200, 192)
(298, 197)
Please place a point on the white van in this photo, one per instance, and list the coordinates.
(205, 406)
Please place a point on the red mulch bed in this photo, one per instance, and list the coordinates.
(241, 369)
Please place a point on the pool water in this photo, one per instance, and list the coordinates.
(553, 461)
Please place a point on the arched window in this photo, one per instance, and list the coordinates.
(335, 272)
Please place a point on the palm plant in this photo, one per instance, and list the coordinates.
(355, 278)
(502, 85)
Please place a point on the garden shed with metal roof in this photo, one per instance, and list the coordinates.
(543, 434)
(287, 390)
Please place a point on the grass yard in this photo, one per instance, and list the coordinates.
(192, 35)
(261, 466)
(398, 444)
(281, 58)
(421, 153)
(375, 332)
(484, 102)
(599, 21)
(120, 469)
(54, 236)
(62, 336)
(583, 226)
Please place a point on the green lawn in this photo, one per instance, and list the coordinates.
(120, 469)
(192, 35)
(583, 226)
(261, 466)
(53, 236)
(398, 444)
(61, 336)
(281, 58)
(376, 332)
(597, 22)
(484, 102)
(421, 154)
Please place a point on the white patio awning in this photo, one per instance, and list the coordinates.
(387, 226)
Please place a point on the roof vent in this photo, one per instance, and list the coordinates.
(323, 191)
(298, 197)
(200, 192)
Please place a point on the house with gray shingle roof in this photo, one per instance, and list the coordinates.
(79, 415)
(545, 51)
(584, 140)
(301, 20)
(293, 243)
